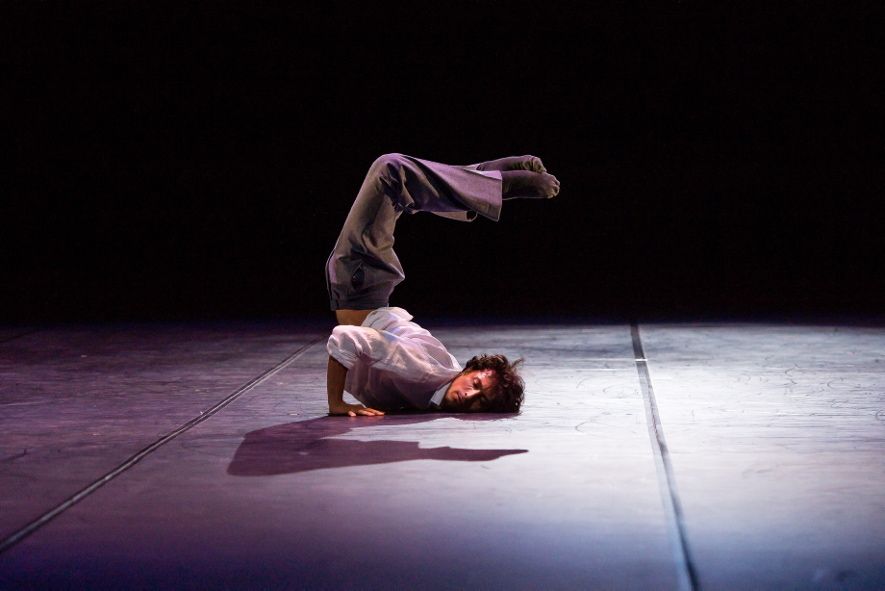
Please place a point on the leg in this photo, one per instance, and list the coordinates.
(523, 177)
(526, 184)
(527, 162)
(363, 268)
(414, 185)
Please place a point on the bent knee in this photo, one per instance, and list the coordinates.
(387, 163)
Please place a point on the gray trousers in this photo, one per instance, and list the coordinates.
(363, 269)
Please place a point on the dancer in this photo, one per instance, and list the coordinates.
(377, 353)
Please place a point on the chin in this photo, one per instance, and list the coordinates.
(450, 405)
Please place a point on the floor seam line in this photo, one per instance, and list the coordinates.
(19, 335)
(669, 495)
(48, 516)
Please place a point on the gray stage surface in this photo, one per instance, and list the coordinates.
(706, 456)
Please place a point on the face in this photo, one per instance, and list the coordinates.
(470, 392)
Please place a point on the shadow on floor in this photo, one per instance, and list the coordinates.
(310, 445)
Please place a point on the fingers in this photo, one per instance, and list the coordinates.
(365, 412)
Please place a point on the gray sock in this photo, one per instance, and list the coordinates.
(527, 162)
(528, 185)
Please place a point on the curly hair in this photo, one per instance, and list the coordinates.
(508, 392)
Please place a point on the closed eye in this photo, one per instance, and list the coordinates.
(483, 396)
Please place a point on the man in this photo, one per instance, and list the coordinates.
(376, 353)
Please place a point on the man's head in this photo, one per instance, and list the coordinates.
(488, 383)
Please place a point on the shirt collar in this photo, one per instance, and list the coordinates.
(437, 398)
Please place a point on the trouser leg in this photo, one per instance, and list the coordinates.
(363, 269)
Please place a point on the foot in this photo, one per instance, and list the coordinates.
(528, 185)
(527, 162)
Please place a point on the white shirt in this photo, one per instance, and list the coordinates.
(392, 362)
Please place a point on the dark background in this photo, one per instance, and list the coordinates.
(196, 160)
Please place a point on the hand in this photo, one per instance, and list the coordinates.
(353, 410)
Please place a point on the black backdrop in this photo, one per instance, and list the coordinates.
(192, 160)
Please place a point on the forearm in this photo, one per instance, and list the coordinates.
(336, 374)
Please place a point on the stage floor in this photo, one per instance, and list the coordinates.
(653, 456)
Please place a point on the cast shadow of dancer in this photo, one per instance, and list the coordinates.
(310, 445)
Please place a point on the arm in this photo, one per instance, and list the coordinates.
(335, 376)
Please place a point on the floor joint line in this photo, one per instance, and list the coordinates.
(48, 516)
(19, 335)
(688, 580)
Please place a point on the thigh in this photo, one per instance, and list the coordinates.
(363, 269)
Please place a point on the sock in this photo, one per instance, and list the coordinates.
(528, 185)
(527, 162)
